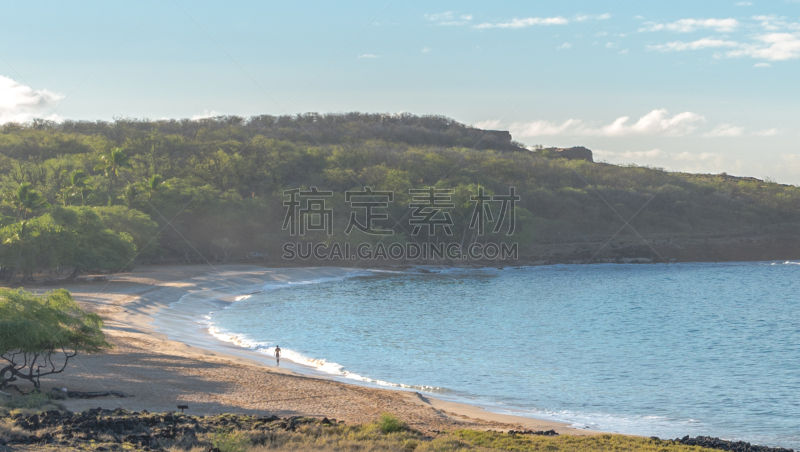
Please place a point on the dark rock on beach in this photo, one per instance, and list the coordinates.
(533, 432)
(721, 444)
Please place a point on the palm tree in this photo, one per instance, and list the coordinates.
(153, 185)
(111, 165)
(86, 191)
(78, 185)
(26, 200)
(20, 237)
(131, 193)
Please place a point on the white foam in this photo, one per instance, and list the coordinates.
(633, 424)
(320, 280)
(321, 365)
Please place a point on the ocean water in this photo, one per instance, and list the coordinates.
(665, 350)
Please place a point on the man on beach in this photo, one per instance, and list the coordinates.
(278, 354)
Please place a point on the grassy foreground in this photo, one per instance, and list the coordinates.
(23, 428)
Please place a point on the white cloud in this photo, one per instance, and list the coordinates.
(368, 55)
(772, 47)
(547, 128)
(732, 131)
(775, 23)
(743, 3)
(426, 49)
(704, 43)
(704, 159)
(626, 155)
(725, 130)
(585, 17)
(206, 114)
(691, 25)
(439, 16)
(448, 18)
(768, 22)
(762, 65)
(526, 22)
(489, 124)
(657, 122)
(780, 40)
(564, 46)
(703, 156)
(21, 103)
(767, 133)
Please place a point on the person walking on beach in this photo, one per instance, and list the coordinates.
(278, 354)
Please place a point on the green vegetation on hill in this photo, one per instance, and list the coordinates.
(94, 195)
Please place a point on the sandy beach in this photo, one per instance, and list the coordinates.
(190, 367)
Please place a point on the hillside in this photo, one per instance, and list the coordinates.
(220, 183)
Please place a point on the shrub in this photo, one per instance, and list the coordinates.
(389, 423)
(39, 335)
(228, 441)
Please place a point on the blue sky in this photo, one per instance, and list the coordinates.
(693, 86)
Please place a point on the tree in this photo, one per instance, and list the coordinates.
(227, 246)
(188, 249)
(18, 238)
(111, 165)
(75, 237)
(153, 185)
(86, 243)
(29, 245)
(143, 230)
(131, 193)
(78, 185)
(27, 200)
(40, 334)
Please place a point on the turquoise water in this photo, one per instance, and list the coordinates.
(665, 350)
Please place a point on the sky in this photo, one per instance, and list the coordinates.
(691, 86)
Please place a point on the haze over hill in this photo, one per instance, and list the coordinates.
(221, 182)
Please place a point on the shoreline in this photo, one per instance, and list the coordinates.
(139, 306)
